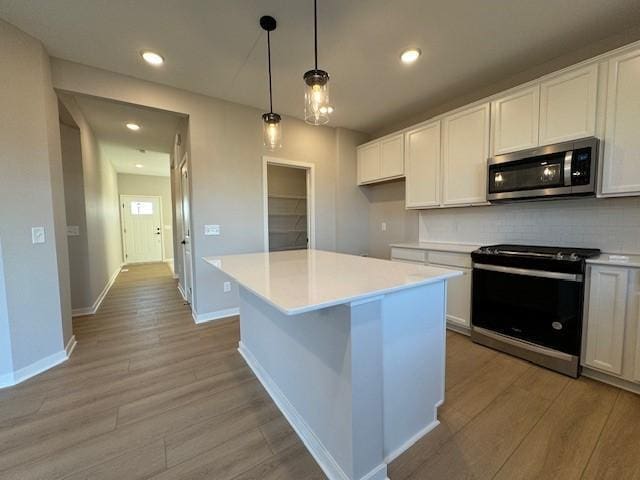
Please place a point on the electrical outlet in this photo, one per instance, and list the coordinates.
(211, 230)
(383, 226)
(37, 235)
(226, 287)
(73, 231)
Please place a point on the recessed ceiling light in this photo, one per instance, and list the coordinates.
(139, 165)
(410, 55)
(133, 126)
(152, 58)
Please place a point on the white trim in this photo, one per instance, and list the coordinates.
(611, 380)
(122, 232)
(19, 376)
(211, 316)
(182, 294)
(409, 443)
(311, 193)
(71, 345)
(169, 262)
(318, 451)
(81, 312)
(454, 327)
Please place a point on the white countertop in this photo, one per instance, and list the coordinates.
(439, 246)
(616, 259)
(300, 281)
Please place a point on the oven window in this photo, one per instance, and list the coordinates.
(539, 310)
(531, 174)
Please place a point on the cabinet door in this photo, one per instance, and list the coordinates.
(422, 166)
(606, 318)
(568, 105)
(465, 151)
(369, 163)
(392, 156)
(459, 299)
(621, 162)
(515, 120)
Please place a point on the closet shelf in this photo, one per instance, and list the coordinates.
(287, 214)
(283, 231)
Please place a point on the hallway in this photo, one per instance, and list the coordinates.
(147, 392)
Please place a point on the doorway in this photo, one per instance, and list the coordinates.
(185, 204)
(289, 214)
(142, 228)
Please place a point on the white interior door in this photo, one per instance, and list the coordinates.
(186, 228)
(142, 228)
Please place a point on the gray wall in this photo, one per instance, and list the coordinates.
(75, 209)
(101, 210)
(157, 186)
(225, 142)
(352, 205)
(35, 281)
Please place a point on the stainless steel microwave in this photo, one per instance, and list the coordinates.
(563, 169)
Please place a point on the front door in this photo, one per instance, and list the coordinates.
(141, 229)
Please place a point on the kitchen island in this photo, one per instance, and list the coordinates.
(351, 349)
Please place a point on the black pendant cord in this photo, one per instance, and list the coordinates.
(269, 58)
(315, 30)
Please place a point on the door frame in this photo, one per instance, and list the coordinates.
(122, 232)
(189, 292)
(311, 188)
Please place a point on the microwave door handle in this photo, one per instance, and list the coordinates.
(568, 157)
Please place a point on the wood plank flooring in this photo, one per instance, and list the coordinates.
(148, 394)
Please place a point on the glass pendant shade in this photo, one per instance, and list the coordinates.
(272, 131)
(316, 97)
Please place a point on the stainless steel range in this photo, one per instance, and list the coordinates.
(528, 301)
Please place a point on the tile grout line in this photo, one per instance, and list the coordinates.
(597, 442)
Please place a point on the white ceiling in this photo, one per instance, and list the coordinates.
(125, 159)
(215, 47)
(121, 146)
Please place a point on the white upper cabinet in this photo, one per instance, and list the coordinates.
(606, 318)
(568, 105)
(392, 156)
(381, 160)
(465, 150)
(515, 119)
(422, 166)
(368, 163)
(621, 160)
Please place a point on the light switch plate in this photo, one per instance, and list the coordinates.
(383, 226)
(73, 231)
(212, 230)
(217, 263)
(37, 235)
(227, 287)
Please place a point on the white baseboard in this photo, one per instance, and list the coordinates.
(182, 292)
(409, 443)
(169, 261)
(18, 376)
(13, 378)
(81, 312)
(71, 345)
(454, 327)
(211, 316)
(611, 380)
(318, 451)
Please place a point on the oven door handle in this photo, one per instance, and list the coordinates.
(571, 277)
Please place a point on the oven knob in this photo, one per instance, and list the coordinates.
(573, 257)
(559, 256)
(557, 325)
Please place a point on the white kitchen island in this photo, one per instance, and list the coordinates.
(351, 349)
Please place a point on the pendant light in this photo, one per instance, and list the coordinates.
(271, 126)
(316, 95)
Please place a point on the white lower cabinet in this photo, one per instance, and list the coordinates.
(458, 288)
(612, 327)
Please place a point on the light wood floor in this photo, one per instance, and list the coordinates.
(149, 394)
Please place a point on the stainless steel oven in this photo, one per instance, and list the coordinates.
(562, 169)
(528, 301)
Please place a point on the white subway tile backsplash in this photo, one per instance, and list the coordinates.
(613, 224)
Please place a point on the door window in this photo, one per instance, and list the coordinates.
(141, 208)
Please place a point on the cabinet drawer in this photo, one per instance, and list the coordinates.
(450, 259)
(408, 254)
